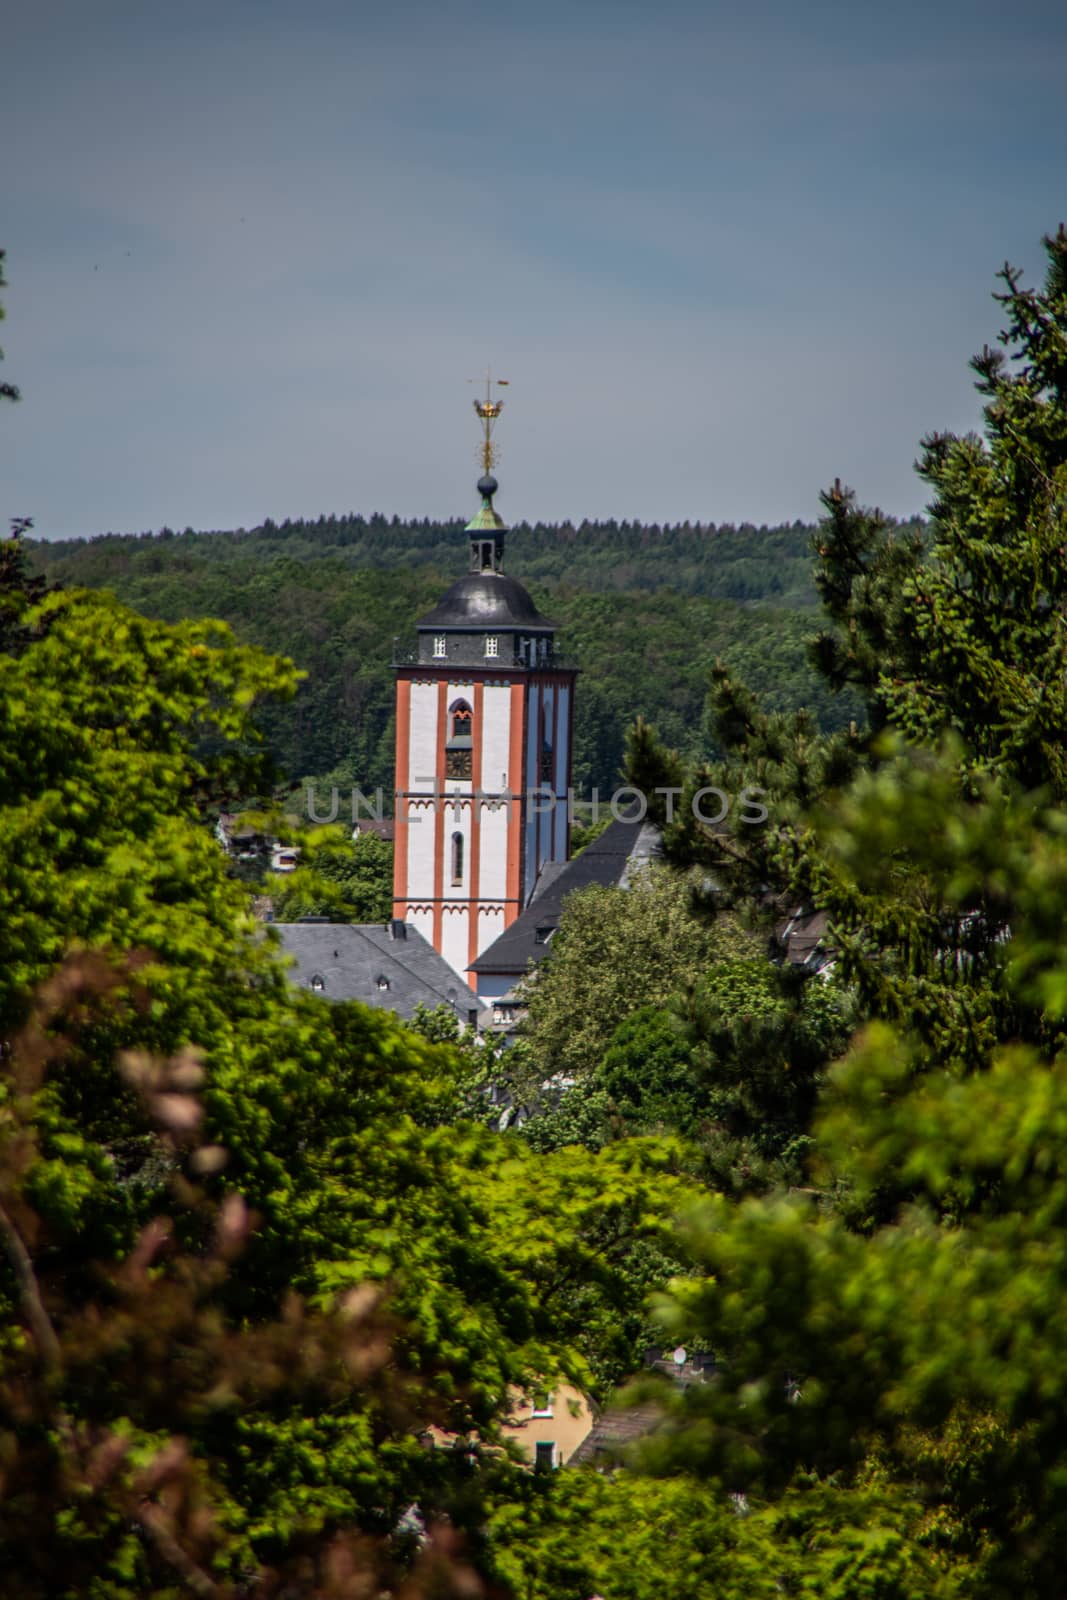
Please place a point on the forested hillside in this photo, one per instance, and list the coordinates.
(646, 612)
(721, 562)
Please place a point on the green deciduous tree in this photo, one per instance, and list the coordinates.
(635, 1538)
(109, 1374)
(733, 1064)
(348, 879)
(113, 732)
(617, 950)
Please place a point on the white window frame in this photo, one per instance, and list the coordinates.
(492, 645)
(542, 1411)
(440, 645)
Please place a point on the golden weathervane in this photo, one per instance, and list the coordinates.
(488, 410)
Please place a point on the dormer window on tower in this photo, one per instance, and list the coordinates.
(439, 644)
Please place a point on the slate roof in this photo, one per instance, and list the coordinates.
(350, 958)
(485, 600)
(605, 862)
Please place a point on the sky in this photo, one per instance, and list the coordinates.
(723, 253)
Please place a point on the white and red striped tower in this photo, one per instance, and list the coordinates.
(484, 724)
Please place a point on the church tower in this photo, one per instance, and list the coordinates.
(484, 722)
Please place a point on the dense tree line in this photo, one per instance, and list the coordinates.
(646, 652)
(719, 562)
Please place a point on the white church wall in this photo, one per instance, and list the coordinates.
(454, 940)
(490, 926)
(533, 706)
(558, 851)
(493, 828)
(422, 741)
(420, 852)
(421, 917)
(457, 820)
(525, 828)
(496, 737)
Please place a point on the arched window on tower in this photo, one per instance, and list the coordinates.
(457, 859)
(459, 741)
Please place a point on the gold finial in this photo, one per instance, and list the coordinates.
(488, 410)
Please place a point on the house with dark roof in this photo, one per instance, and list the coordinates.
(561, 1426)
(240, 840)
(381, 827)
(613, 1432)
(609, 861)
(391, 967)
(801, 939)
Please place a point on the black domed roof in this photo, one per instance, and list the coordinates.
(485, 600)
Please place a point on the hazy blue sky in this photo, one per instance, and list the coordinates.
(724, 252)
